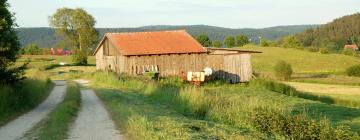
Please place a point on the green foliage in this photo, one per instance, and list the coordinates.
(290, 42)
(204, 40)
(313, 49)
(229, 41)
(338, 32)
(9, 47)
(80, 57)
(298, 126)
(241, 40)
(23, 96)
(77, 26)
(217, 44)
(324, 50)
(353, 71)
(350, 52)
(31, 49)
(283, 70)
(266, 43)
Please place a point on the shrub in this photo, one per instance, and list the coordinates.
(313, 49)
(324, 50)
(283, 70)
(298, 126)
(349, 51)
(353, 71)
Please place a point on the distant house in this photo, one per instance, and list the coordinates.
(169, 53)
(353, 47)
(60, 51)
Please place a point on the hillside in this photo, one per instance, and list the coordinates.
(335, 34)
(45, 37)
(301, 61)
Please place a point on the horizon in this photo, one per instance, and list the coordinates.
(230, 14)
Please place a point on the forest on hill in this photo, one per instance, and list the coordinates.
(46, 37)
(333, 35)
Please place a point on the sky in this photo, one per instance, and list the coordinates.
(223, 13)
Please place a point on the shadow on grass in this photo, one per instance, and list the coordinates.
(336, 114)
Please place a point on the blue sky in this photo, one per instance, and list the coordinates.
(224, 13)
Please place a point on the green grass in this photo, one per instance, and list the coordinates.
(169, 109)
(57, 124)
(20, 98)
(301, 61)
(41, 61)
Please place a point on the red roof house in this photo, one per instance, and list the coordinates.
(60, 51)
(353, 47)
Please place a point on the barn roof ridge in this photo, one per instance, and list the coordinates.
(141, 32)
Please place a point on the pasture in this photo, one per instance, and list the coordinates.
(170, 109)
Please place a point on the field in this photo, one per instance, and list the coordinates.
(311, 67)
(302, 61)
(170, 109)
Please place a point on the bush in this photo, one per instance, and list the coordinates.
(298, 126)
(349, 51)
(353, 71)
(324, 50)
(283, 70)
(313, 49)
(80, 57)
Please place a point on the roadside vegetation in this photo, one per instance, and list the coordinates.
(169, 109)
(23, 96)
(56, 125)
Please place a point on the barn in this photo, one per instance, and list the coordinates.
(169, 53)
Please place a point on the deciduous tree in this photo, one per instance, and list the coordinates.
(241, 40)
(204, 40)
(229, 41)
(77, 26)
(216, 43)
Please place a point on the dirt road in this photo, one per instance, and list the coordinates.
(18, 127)
(93, 122)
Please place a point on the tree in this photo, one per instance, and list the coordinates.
(229, 41)
(241, 40)
(283, 70)
(32, 49)
(77, 26)
(291, 42)
(216, 43)
(266, 43)
(9, 47)
(203, 40)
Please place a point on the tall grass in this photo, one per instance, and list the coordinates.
(298, 126)
(19, 98)
(234, 105)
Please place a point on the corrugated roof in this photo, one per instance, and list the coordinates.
(159, 42)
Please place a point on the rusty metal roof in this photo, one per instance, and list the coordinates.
(158, 42)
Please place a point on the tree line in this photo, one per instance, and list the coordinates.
(229, 41)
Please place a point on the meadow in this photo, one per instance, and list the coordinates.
(310, 67)
(170, 109)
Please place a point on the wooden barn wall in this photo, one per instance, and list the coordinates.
(172, 64)
(232, 67)
(99, 58)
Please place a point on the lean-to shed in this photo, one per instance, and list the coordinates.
(169, 53)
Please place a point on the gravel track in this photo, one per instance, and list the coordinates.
(93, 122)
(18, 127)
